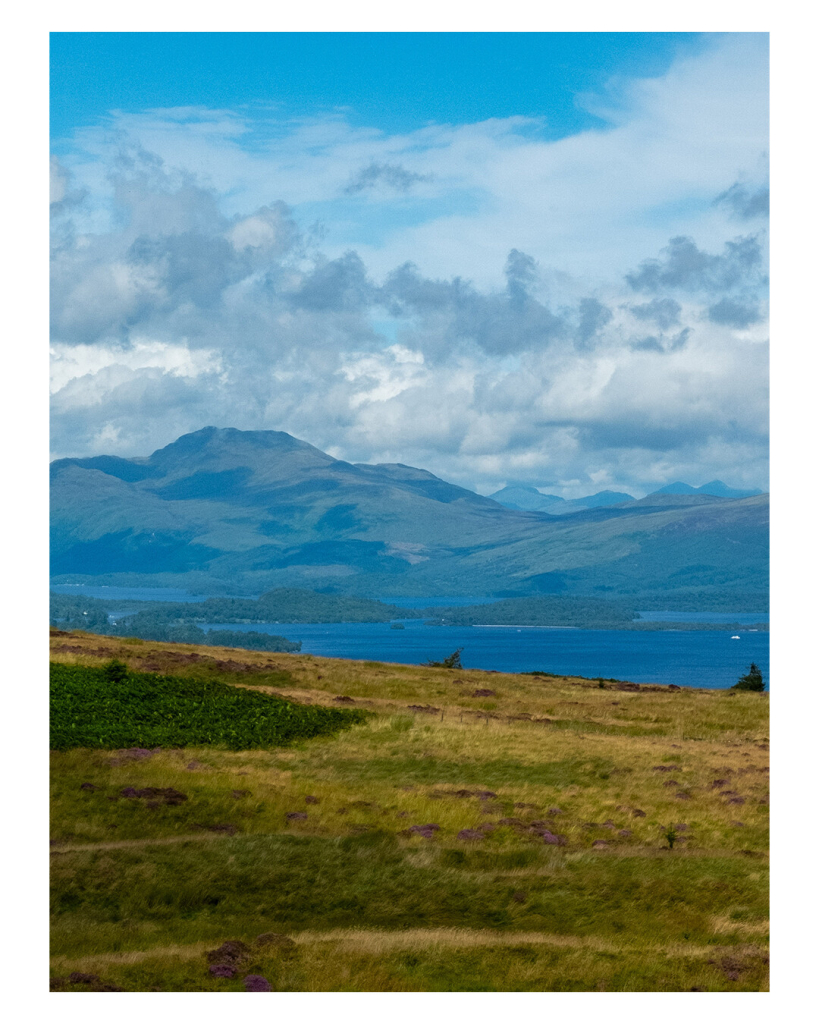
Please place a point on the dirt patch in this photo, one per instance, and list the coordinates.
(342, 699)
(296, 816)
(484, 693)
(600, 844)
(470, 835)
(311, 800)
(239, 794)
(427, 831)
(132, 754)
(89, 786)
(230, 953)
(426, 709)
(637, 813)
(267, 939)
(78, 978)
(94, 652)
(666, 768)
(171, 797)
(735, 962)
(236, 666)
(225, 827)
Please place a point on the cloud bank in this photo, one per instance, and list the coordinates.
(582, 313)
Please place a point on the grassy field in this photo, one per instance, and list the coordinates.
(308, 865)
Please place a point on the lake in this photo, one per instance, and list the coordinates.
(688, 658)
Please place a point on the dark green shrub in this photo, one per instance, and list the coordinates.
(752, 680)
(115, 671)
(670, 835)
(452, 661)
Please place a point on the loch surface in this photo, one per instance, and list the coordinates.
(685, 657)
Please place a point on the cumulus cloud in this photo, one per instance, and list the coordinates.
(563, 312)
(392, 177)
(744, 202)
(664, 313)
(682, 265)
(733, 313)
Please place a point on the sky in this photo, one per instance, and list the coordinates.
(533, 258)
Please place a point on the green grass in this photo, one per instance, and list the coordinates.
(147, 710)
(238, 887)
(143, 887)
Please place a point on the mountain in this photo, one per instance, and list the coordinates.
(529, 499)
(716, 488)
(225, 511)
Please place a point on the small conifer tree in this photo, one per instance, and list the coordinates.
(752, 680)
(453, 661)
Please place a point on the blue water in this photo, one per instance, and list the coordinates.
(688, 658)
(436, 602)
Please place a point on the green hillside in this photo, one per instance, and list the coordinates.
(231, 512)
(469, 831)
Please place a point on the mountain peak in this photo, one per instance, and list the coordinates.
(716, 488)
(210, 437)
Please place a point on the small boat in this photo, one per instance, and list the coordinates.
(735, 638)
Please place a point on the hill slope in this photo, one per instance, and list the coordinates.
(230, 511)
(476, 831)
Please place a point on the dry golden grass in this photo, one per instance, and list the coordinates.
(629, 915)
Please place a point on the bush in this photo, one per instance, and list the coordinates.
(452, 661)
(115, 671)
(751, 681)
(89, 708)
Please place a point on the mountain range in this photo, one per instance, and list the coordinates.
(225, 511)
(530, 499)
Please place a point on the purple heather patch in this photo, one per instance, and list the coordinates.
(256, 983)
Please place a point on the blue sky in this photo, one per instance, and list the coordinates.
(503, 257)
(397, 81)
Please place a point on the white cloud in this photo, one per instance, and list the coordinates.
(191, 286)
(70, 362)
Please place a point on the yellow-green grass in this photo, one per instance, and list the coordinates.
(141, 892)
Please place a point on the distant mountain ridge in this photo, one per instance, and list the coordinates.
(242, 512)
(716, 488)
(526, 498)
(529, 499)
